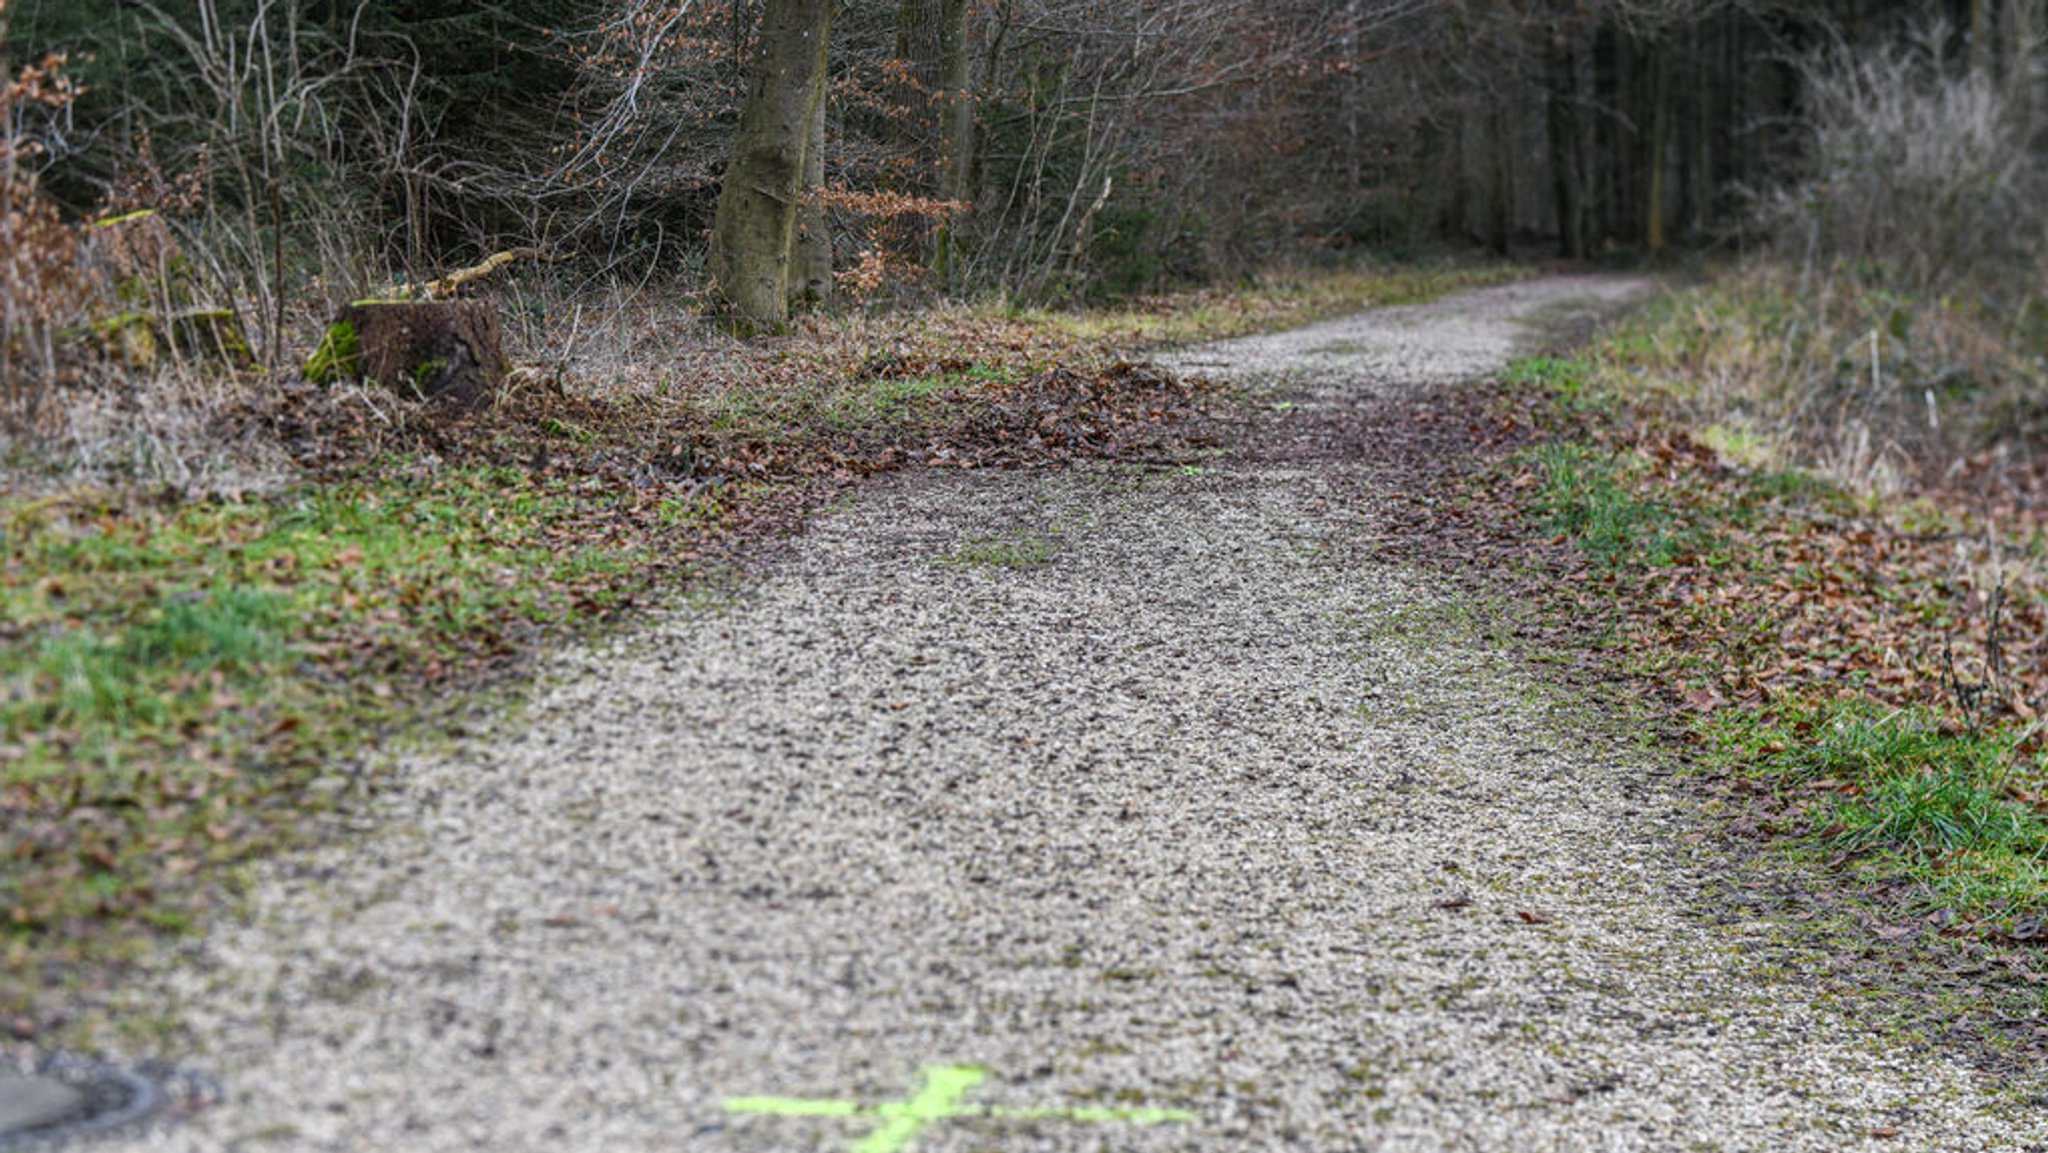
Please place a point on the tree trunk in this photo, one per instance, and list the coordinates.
(1700, 165)
(2026, 73)
(1561, 125)
(1659, 157)
(1441, 172)
(956, 103)
(1983, 38)
(1632, 97)
(810, 280)
(1500, 216)
(1610, 139)
(913, 97)
(956, 130)
(443, 350)
(937, 122)
(752, 234)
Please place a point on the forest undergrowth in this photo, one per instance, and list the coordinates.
(208, 639)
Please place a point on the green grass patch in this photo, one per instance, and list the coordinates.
(1906, 793)
(855, 405)
(866, 404)
(1591, 496)
(173, 678)
(1568, 381)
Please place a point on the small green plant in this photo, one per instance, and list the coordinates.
(1566, 376)
(690, 512)
(890, 400)
(567, 430)
(424, 373)
(1571, 385)
(1929, 810)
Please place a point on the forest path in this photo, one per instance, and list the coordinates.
(1105, 808)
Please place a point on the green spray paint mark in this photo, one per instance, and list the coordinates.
(940, 1099)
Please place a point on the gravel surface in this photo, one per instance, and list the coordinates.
(1135, 788)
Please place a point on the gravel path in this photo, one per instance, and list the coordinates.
(1033, 802)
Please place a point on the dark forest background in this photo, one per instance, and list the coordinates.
(1116, 147)
(214, 173)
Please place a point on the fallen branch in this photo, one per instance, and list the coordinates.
(449, 286)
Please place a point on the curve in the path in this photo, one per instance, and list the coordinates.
(1101, 809)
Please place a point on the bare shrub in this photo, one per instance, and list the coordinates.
(41, 289)
(1921, 178)
(253, 182)
(1880, 390)
(303, 138)
(1886, 340)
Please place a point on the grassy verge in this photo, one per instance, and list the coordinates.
(1901, 796)
(1852, 636)
(1278, 301)
(189, 681)
(1842, 615)
(182, 680)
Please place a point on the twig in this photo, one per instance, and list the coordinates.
(1969, 696)
(1994, 649)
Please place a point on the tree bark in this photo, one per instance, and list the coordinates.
(811, 273)
(956, 108)
(755, 226)
(1561, 124)
(1659, 157)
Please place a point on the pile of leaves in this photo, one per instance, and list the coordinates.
(943, 412)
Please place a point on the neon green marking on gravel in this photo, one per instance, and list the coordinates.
(940, 1099)
(792, 1107)
(944, 1085)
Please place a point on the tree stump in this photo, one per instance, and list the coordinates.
(446, 350)
(143, 340)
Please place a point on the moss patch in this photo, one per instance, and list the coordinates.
(339, 356)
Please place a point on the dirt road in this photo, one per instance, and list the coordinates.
(1107, 808)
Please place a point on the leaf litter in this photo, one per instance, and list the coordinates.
(1773, 617)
